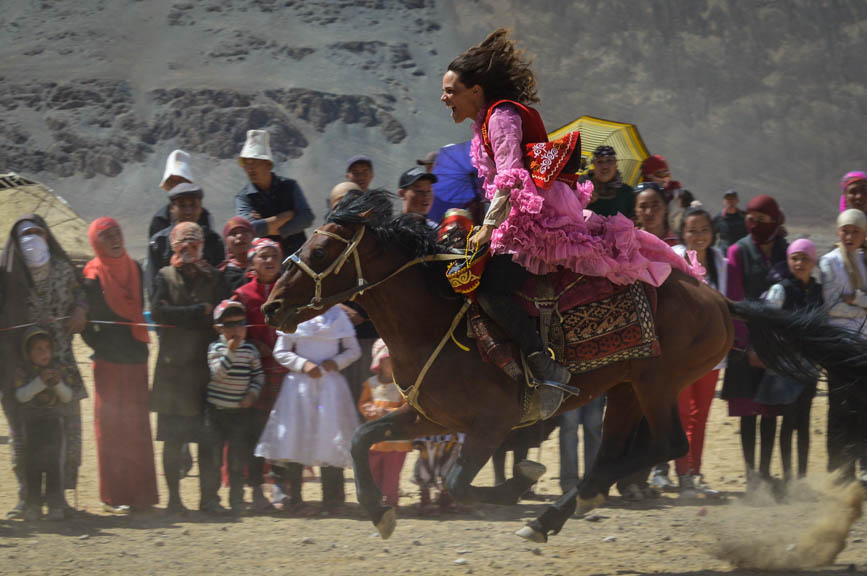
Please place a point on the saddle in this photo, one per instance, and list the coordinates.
(585, 322)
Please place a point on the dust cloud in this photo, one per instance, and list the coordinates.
(806, 529)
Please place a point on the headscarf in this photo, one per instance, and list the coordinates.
(233, 223)
(847, 179)
(188, 234)
(851, 217)
(804, 245)
(119, 277)
(652, 165)
(378, 352)
(765, 232)
(260, 244)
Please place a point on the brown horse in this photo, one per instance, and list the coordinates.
(362, 252)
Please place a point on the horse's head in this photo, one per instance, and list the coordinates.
(335, 264)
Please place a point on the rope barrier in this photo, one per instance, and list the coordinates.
(110, 322)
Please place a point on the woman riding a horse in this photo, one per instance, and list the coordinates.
(536, 224)
(537, 221)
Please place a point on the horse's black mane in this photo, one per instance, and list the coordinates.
(409, 232)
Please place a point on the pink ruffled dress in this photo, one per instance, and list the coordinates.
(547, 229)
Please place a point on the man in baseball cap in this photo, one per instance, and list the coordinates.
(415, 188)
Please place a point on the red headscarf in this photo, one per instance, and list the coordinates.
(653, 164)
(765, 232)
(120, 278)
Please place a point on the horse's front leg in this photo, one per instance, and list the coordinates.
(480, 443)
(402, 424)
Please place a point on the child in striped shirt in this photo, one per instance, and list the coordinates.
(236, 380)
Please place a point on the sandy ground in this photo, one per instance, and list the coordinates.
(666, 536)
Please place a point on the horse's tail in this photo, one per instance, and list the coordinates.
(797, 344)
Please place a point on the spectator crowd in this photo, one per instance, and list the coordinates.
(263, 407)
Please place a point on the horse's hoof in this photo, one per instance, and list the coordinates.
(531, 470)
(588, 504)
(387, 523)
(531, 534)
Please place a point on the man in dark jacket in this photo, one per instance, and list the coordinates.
(185, 205)
(275, 206)
(730, 226)
(610, 194)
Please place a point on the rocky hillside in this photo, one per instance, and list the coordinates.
(768, 96)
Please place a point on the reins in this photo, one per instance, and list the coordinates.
(318, 303)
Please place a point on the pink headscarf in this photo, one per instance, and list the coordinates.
(804, 245)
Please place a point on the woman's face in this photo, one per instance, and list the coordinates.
(759, 217)
(605, 168)
(650, 210)
(697, 232)
(111, 241)
(851, 237)
(661, 177)
(266, 263)
(856, 195)
(463, 101)
(800, 265)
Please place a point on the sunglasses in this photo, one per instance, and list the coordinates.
(233, 324)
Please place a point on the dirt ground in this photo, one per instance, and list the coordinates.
(665, 536)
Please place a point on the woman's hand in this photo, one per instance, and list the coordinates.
(312, 369)
(330, 366)
(77, 321)
(481, 237)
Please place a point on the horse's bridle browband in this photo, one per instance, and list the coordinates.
(318, 303)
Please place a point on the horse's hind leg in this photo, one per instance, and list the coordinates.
(480, 443)
(622, 418)
(402, 424)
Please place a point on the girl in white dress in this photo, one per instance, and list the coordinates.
(314, 416)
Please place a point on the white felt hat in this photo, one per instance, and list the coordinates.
(177, 164)
(257, 146)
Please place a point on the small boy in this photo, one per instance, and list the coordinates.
(236, 380)
(42, 393)
(379, 396)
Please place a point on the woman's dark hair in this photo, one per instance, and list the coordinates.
(711, 261)
(499, 68)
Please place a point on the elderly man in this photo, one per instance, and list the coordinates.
(178, 171)
(185, 205)
(275, 206)
(610, 195)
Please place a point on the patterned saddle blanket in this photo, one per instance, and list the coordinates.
(586, 322)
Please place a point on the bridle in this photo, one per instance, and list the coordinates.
(351, 249)
(317, 303)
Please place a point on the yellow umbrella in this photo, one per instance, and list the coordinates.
(624, 138)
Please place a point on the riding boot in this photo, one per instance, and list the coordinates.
(522, 330)
(546, 369)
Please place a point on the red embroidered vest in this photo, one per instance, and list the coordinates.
(545, 161)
